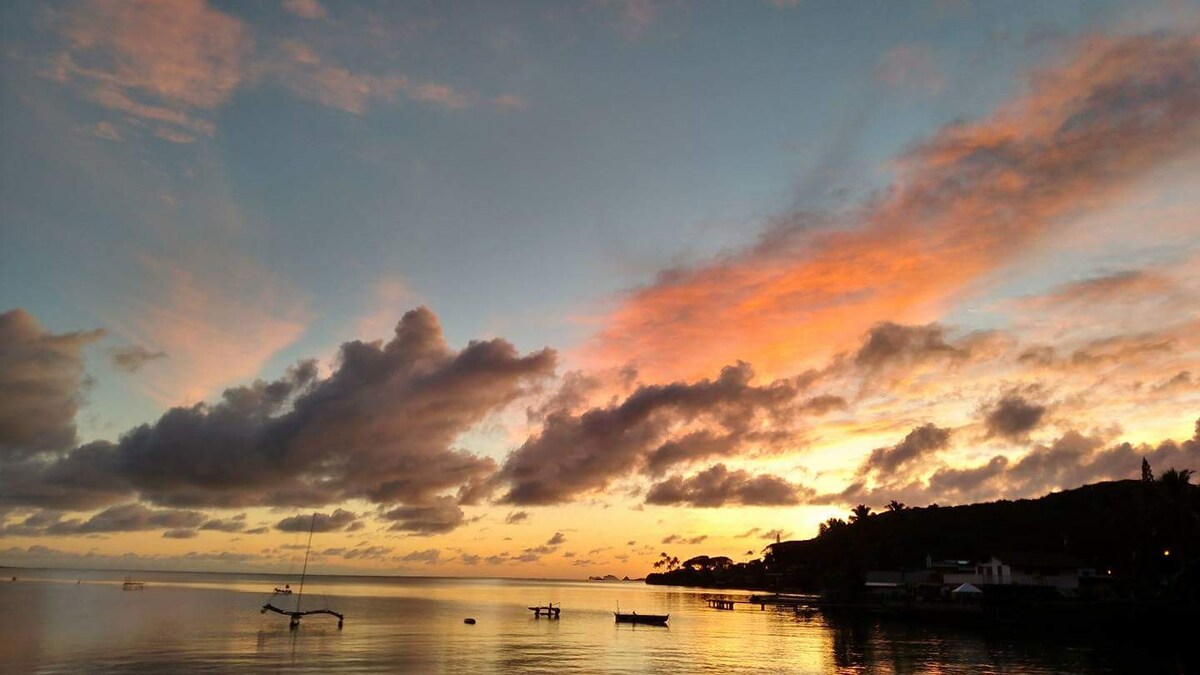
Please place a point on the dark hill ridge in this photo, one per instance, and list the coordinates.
(1139, 530)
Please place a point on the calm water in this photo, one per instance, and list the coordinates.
(210, 622)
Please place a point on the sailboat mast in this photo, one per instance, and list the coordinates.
(304, 570)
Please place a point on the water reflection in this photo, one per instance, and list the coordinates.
(211, 622)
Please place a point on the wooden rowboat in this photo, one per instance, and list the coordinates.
(650, 619)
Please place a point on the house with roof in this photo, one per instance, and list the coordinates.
(1020, 568)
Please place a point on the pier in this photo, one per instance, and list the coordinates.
(793, 601)
(549, 611)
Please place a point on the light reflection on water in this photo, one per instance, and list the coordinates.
(211, 622)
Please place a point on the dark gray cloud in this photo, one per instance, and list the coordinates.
(679, 539)
(557, 539)
(889, 344)
(919, 442)
(427, 556)
(776, 534)
(380, 428)
(41, 378)
(579, 453)
(516, 517)
(235, 524)
(81, 481)
(695, 446)
(34, 525)
(367, 553)
(440, 515)
(964, 485)
(1071, 460)
(1013, 417)
(718, 486)
(821, 405)
(340, 519)
(131, 359)
(181, 533)
(132, 517)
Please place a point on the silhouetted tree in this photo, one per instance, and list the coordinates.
(1176, 478)
(860, 513)
(667, 561)
(895, 506)
(1147, 475)
(830, 525)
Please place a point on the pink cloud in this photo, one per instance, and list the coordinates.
(153, 60)
(218, 319)
(184, 52)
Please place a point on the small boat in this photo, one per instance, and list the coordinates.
(131, 585)
(286, 590)
(650, 619)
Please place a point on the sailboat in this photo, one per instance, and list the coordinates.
(295, 614)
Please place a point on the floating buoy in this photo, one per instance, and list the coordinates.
(469, 621)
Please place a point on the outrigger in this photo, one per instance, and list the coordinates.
(286, 590)
(548, 610)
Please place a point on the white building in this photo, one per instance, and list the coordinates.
(1030, 569)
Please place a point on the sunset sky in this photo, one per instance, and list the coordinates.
(543, 289)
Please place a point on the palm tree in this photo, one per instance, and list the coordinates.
(830, 525)
(895, 506)
(1176, 477)
(860, 513)
(669, 562)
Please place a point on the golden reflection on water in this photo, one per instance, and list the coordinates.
(212, 622)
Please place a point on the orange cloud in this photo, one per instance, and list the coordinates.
(964, 203)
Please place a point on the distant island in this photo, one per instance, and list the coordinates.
(1116, 542)
(610, 577)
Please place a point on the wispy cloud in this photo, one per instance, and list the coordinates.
(162, 63)
(965, 203)
(173, 65)
(219, 319)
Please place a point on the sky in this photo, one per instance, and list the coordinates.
(545, 289)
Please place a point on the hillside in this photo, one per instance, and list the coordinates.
(1139, 530)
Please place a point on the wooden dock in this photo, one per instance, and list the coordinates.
(549, 611)
(793, 601)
